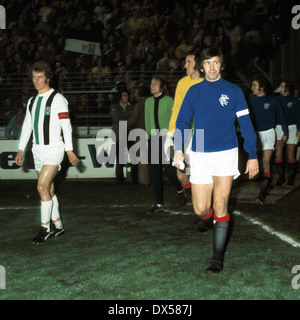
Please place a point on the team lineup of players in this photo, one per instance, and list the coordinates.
(205, 102)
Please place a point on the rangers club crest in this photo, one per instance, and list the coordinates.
(223, 100)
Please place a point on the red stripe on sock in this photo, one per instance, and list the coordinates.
(222, 219)
(267, 174)
(210, 213)
(278, 161)
(187, 185)
(292, 161)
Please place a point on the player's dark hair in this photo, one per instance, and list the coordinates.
(196, 57)
(209, 53)
(263, 83)
(42, 66)
(289, 86)
(121, 91)
(163, 83)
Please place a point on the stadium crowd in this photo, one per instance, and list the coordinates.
(142, 36)
(134, 32)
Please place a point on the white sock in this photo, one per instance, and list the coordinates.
(55, 216)
(46, 209)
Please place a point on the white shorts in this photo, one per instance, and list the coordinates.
(292, 138)
(206, 165)
(279, 132)
(48, 155)
(267, 139)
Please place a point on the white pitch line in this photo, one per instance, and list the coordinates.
(18, 208)
(98, 206)
(268, 229)
(178, 212)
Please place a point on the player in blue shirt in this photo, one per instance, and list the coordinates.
(291, 109)
(267, 113)
(214, 104)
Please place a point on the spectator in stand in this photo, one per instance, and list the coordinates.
(119, 113)
(120, 78)
(236, 14)
(182, 49)
(118, 60)
(208, 11)
(128, 63)
(97, 26)
(23, 99)
(178, 14)
(147, 47)
(129, 48)
(150, 63)
(160, 48)
(13, 130)
(99, 108)
(82, 111)
(224, 41)
(223, 11)
(8, 107)
(233, 31)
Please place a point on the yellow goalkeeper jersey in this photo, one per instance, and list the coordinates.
(182, 87)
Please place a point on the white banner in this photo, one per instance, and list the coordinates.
(81, 46)
(93, 154)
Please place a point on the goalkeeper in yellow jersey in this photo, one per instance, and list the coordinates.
(192, 77)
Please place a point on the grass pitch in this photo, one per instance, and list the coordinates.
(112, 250)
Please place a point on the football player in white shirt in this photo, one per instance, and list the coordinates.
(47, 123)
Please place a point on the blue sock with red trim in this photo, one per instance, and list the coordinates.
(221, 227)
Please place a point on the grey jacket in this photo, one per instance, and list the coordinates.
(117, 113)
